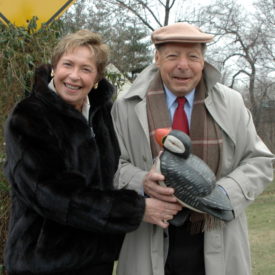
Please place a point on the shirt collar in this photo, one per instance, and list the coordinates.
(86, 108)
(171, 98)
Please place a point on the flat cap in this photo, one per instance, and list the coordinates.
(180, 33)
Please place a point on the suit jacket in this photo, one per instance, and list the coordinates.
(65, 214)
(246, 171)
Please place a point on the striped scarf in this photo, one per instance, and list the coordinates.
(204, 132)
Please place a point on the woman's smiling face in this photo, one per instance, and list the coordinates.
(75, 75)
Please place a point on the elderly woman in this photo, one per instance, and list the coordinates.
(61, 158)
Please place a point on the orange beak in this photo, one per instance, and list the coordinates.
(160, 135)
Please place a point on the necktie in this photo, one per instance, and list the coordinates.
(180, 121)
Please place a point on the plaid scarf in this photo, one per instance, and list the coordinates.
(204, 132)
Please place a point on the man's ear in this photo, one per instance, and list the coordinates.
(203, 64)
(157, 57)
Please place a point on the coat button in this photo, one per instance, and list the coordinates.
(144, 158)
(250, 194)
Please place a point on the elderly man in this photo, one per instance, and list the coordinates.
(182, 89)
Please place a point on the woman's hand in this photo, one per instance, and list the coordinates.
(159, 212)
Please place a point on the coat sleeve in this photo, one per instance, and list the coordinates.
(128, 175)
(42, 183)
(248, 161)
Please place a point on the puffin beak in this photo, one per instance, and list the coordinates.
(161, 134)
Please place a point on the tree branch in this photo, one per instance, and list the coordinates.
(236, 74)
(121, 3)
(232, 55)
(150, 11)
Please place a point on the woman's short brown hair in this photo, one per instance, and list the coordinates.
(83, 38)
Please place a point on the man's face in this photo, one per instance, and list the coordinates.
(180, 66)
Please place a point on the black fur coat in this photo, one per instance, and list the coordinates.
(65, 215)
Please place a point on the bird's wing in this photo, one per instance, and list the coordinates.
(217, 199)
(189, 175)
(195, 204)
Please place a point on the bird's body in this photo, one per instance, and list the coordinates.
(193, 181)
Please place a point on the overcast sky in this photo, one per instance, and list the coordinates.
(245, 3)
(176, 12)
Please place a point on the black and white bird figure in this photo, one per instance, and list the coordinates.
(192, 179)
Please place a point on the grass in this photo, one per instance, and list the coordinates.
(261, 220)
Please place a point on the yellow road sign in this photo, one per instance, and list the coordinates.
(19, 12)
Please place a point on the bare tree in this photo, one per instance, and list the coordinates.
(151, 13)
(265, 14)
(242, 48)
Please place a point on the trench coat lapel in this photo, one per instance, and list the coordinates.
(141, 114)
(138, 91)
(212, 77)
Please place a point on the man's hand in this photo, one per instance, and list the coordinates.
(159, 212)
(154, 190)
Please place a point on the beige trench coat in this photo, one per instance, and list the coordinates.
(246, 171)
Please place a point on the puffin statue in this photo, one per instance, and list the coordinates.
(192, 179)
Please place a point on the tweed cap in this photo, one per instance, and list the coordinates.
(180, 33)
